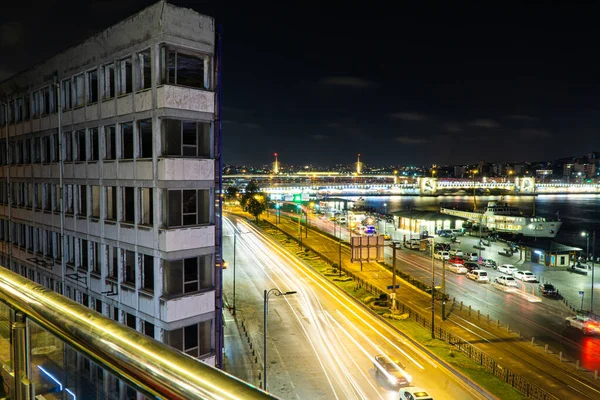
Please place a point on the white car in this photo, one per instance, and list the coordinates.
(471, 256)
(442, 255)
(584, 323)
(507, 269)
(525, 276)
(456, 253)
(456, 268)
(507, 281)
(413, 393)
(478, 275)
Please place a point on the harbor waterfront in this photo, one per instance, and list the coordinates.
(578, 213)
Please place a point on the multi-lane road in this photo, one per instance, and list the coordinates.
(320, 343)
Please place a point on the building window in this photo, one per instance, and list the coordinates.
(83, 254)
(18, 109)
(46, 101)
(26, 107)
(113, 257)
(92, 86)
(37, 151)
(110, 146)
(130, 321)
(111, 203)
(186, 138)
(128, 204)
(68, 146)
(194, 340)
(94, 144)
(145, 138)
(96, 192)
(188, 276)
(129, 262)
(147, 208)
(185, 69)
(143, 70)
(66, 94)
(81, 195)
(149, 329)
(69, 199)
(109, 81)
(187, 207)
(97, 250)
(26, 151)
(148, 276)
(80, 146)
(125, 76)
(78, 90)
(127, 141)
(35, 104)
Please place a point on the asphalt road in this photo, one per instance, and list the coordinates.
(524, 310)
(320, 342)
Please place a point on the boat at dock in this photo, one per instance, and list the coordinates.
(503, 218)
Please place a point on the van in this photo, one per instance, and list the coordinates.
(457, 232)
(471, 256)
(478, 276)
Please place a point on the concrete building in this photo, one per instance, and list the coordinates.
(110, 176)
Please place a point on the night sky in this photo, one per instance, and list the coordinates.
(398, 84)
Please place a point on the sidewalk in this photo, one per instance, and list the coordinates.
(513, 351)
(236, 357)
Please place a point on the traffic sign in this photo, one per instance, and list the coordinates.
(391, 287)
(298, 198)
(581, 292)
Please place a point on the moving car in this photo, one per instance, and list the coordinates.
(488, 262)
(579, 268)
(393, 371)
(548, 289)
(456, 260)
(478, 276)
(457, 268)
(413, 393)
(507, 281)
(442, 255)
(471, 266)
(508, 269)
(584, 323)
(525, 276)
(456, 253)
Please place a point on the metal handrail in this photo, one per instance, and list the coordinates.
(147, 365)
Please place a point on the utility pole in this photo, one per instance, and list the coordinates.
(234, 245)
(593, 256)
(432, 289)
(443, 289)
(340, 251)
(394, 247)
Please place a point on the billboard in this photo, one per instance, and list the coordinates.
(428, 185)
(527, 185)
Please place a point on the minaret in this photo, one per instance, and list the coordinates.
(276, 165)
(359, 165)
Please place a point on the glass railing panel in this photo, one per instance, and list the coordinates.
(6, 375)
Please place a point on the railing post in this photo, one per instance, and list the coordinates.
(19, 356)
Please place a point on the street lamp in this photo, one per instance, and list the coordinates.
(395, 246)
(587, 235)
(432, 286)
(267, 293)
(300, 224)
(385, 218)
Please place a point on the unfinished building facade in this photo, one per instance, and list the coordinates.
(109, 176)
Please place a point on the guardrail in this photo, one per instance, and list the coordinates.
(49, 337)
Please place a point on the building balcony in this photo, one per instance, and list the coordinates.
(185, 169)
(186, 238)
(180, 308)
(184, 98)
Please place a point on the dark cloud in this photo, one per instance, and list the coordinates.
(452, 127)
(485, 123)
(319, 137)
(348, 81)
(412, 140)
(251, 125)
(535, 133)
(522, 117)
(408, 116)
(11, 34)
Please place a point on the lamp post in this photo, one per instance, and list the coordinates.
(267, 293)
(300, 224)
(587, 236)
(395, 246)
(432, 241)
(234, 245)
(340, 250)
(385, 218)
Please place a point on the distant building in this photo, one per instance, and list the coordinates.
(109, 193)
(459, 171)
(520, 169)
(588, 169)
(543, 175)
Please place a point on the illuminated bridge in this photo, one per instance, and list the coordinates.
(337, 184)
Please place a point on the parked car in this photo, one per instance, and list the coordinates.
(442, 255)
(508, 269)
(386, 236)
(458, 232)
(392, 370)
(445, 233)
(507, 281)
(525, 276)
(457, 268)
(488, 262)
(478, 275)
(413, 393)
(471, 266)
(456, 253)
(456, 260)
(442, 247)
(579, 268)
(548, 290)
(471, 256)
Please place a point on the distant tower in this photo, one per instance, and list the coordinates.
(359, 165)
(276, 165)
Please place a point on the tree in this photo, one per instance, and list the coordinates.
(253, 200)
(232, 192)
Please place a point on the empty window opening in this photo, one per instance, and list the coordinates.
(125, 76)
(148, 276)
(128, 204)
(147, 208)
(94, 145)
(66, 94)
(187, 138)
(96, 193)
(80, 146)
(109, 81)
(143, 70)
(129, 267)
(145, 138)
(127, 141)
(78, 90)
(185, 69)
(110, 146)
(92, 92)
